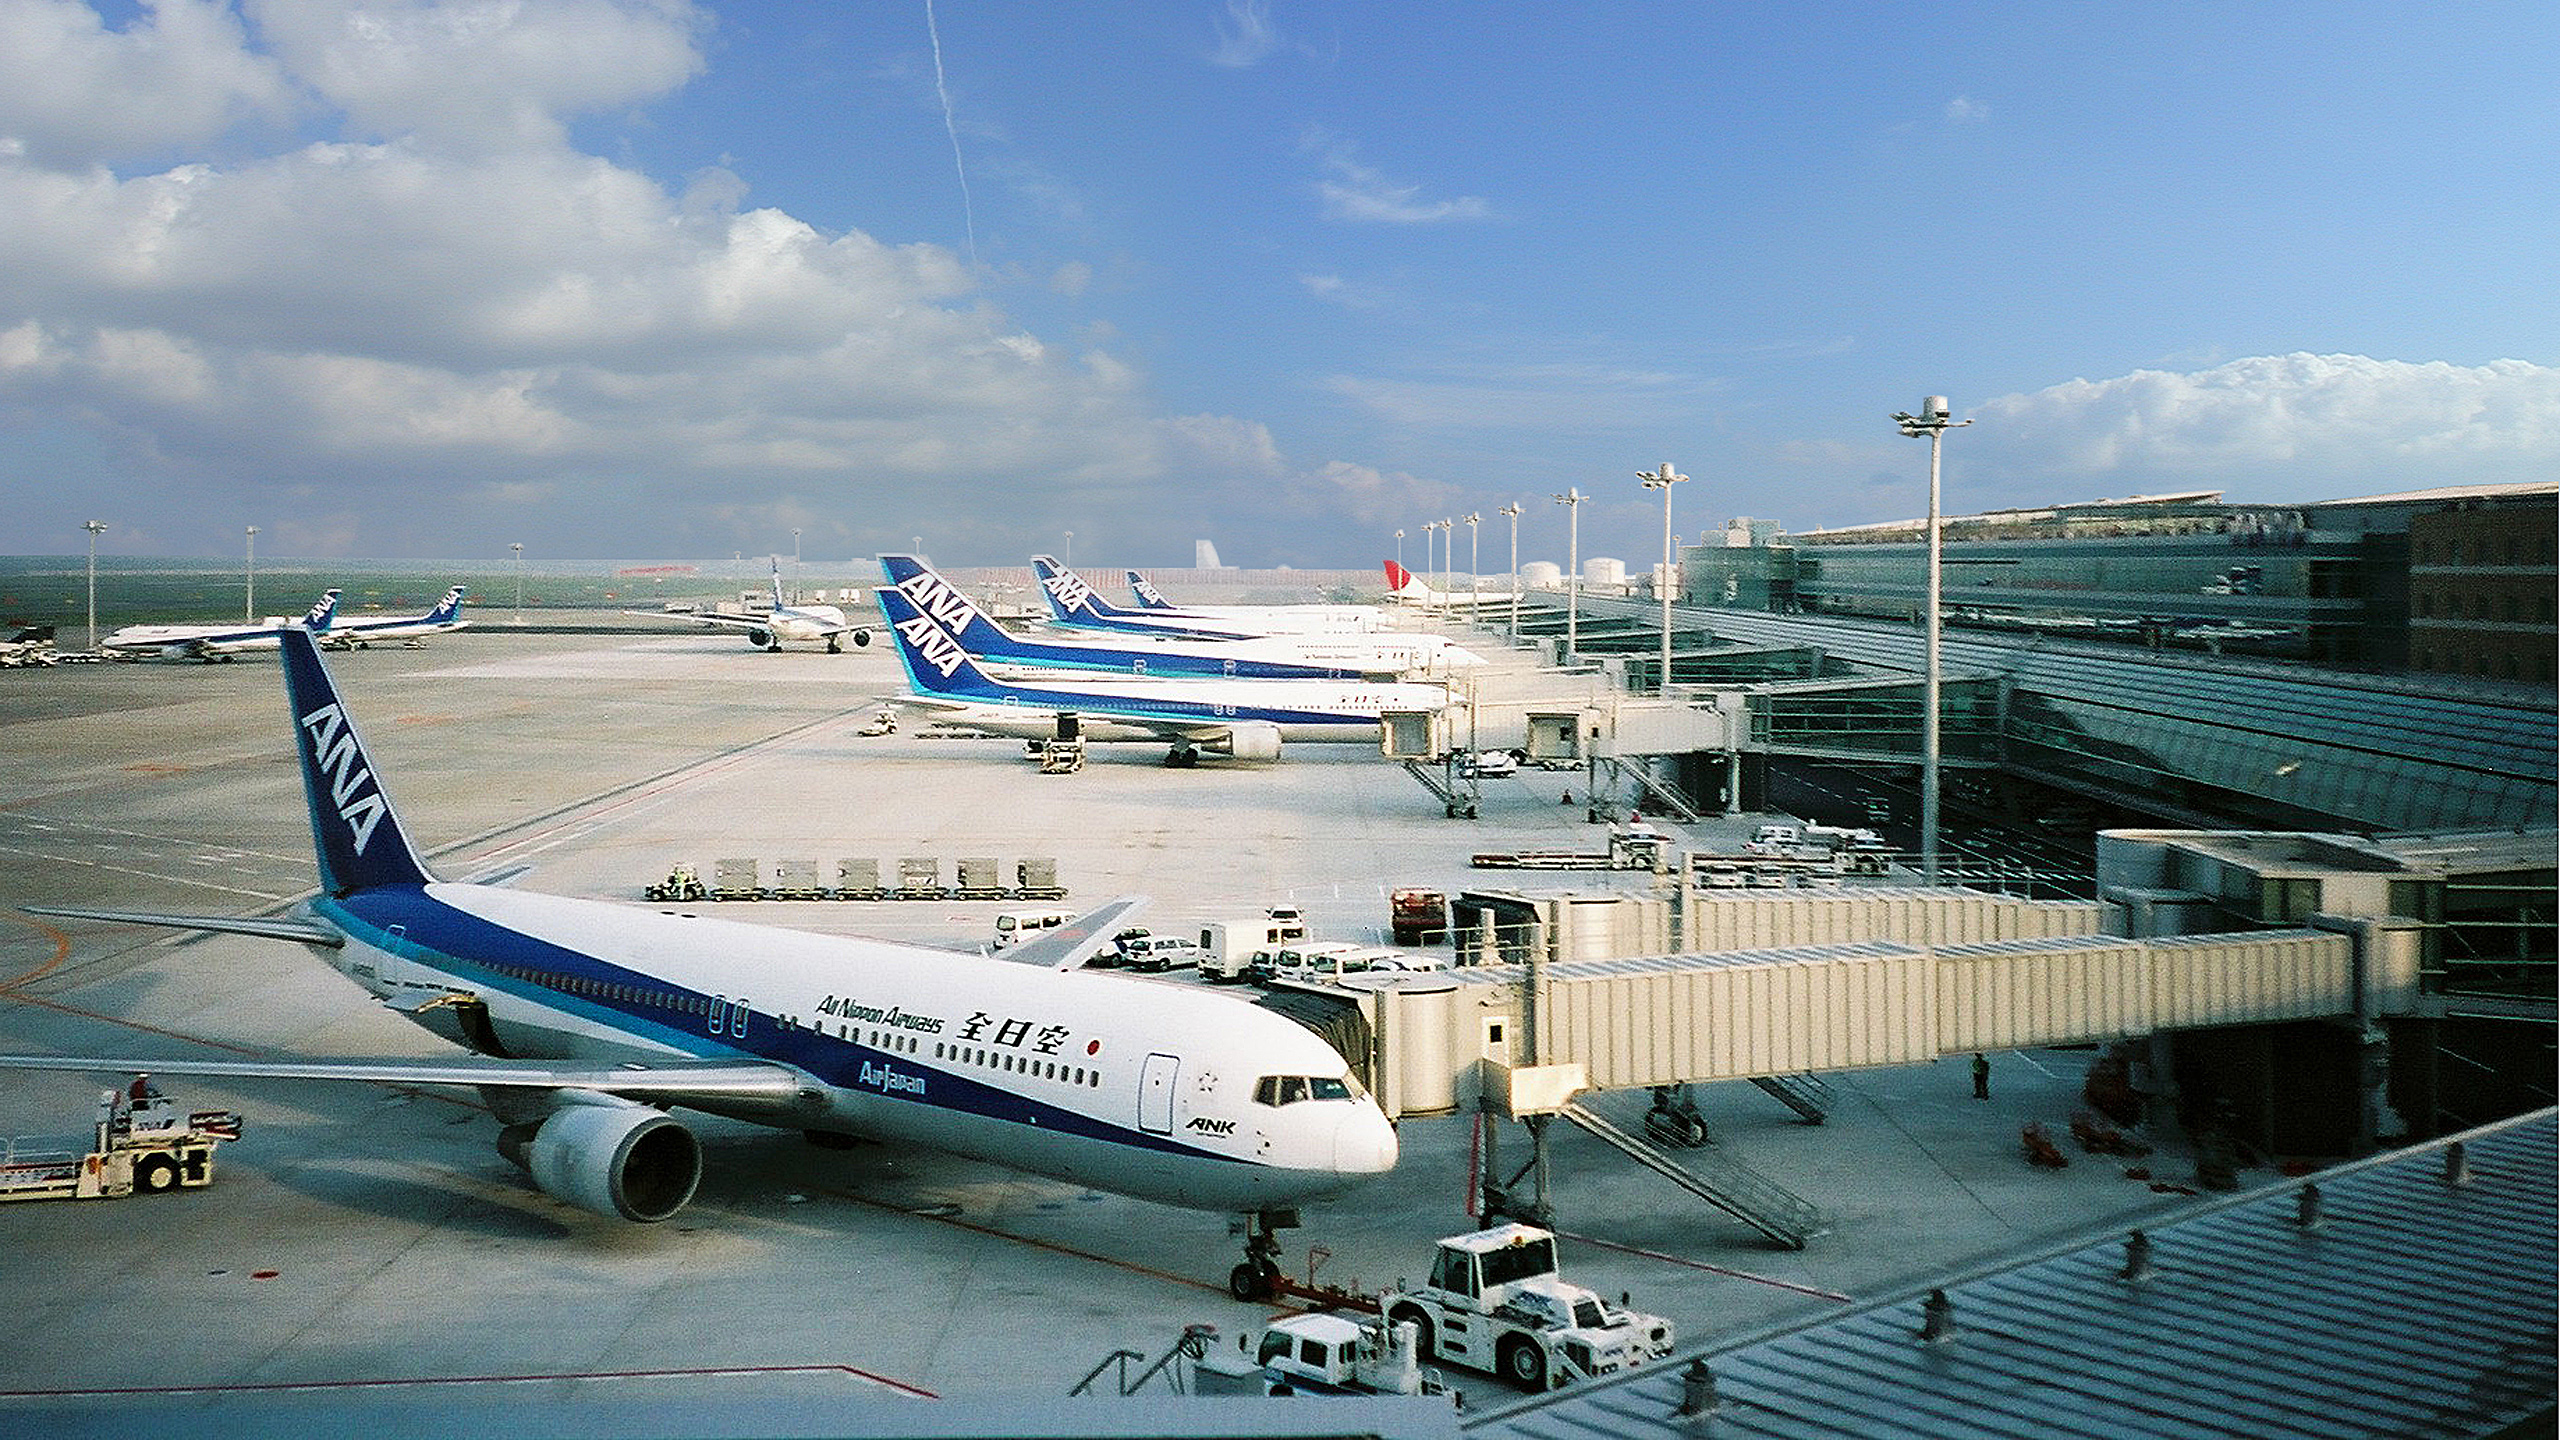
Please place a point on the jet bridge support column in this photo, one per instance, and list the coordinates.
(1531, 1093)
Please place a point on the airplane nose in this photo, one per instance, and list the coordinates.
(1364, 1143)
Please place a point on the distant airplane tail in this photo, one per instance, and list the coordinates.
(942, 601)
(323, 614)
(358, 836)
(1069, 597)
(778, 604)
(1403, 584)
(447, 609)
(937, 665)
(1149, 598)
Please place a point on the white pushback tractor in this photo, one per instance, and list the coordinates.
(1494, 1302)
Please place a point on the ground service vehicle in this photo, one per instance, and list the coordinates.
(1227, 947)
(1160, 952)
(1302, 960)
(1325, 1354)
(1494, 1302)
(1418, 917)
(1015, 926)
(142, 1142)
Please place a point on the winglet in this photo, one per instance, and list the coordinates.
(359, 839)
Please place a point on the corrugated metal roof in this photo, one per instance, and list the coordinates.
(2414, 1306)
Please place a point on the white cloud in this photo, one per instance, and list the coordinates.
(2310, 425)
(1356, 191)
(1965, 110)
(1245, 35)
(74, 93)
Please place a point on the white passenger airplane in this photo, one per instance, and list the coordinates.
(1074, 606)
(361, 633)
(590, 1017)
(799, 624)
(1245, 719)
(1408, 588)
(1272, 657)
(211, 643)
(1289, 619)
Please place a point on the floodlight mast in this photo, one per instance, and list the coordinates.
(249, 615)
(95, 528)
(1933, 421)
(1572, 500)
(1513, 511)
(1475, 585)
(1663, 480)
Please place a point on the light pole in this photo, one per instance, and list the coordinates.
(1474, 584)
(1067, 552)
(1933, 422)
(518, 547)
(1399, 549)
(1572, 500)
(1513, 511)
(1448, 555)
(95, 528)
(1428, 528)
(1662, 480)
(252, 605)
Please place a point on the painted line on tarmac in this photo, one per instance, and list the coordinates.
(1770, 1280)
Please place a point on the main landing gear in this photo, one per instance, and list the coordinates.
(1183, 756)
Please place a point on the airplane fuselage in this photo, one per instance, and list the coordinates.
(1078, 1076)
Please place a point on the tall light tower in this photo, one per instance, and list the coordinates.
(1572, 500)
(1429, 528)
(1067, 552)
(252, 605)
(1513, 510)
(1933, 422)
(95, 528)
(1448, 554)
(1399, 549)
(518, 547)
(1662, 480)
(1474, 583)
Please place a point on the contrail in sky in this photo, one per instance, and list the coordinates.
(968, 212)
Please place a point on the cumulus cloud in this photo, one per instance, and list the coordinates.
(461, 298)
(2311, 424)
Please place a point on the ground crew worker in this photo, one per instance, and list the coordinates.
(1981, 1076)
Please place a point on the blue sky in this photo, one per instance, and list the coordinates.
(640, 279)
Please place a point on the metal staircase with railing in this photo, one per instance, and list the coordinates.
(1723, 1182)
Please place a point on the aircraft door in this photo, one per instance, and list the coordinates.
(1155, 1094)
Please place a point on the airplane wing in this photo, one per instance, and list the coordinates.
(270, 927)
(819, 629)
(1075, 942)
(672, 1082)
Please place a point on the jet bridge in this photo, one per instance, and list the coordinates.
(1538, 1039)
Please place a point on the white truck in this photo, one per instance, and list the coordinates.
(1324, 1354)
(1495, 1303)
(1227, 946)
(142, 1142)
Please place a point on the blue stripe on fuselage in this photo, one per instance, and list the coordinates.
(487, 955)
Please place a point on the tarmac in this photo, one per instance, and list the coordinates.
(372, 1239)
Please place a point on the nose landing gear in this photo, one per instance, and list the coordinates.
(1258, 1278)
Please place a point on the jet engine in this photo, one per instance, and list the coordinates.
(762, 639)
(1252, 740)
(617, 1159)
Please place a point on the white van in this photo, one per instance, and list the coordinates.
(1160, 952)
(1227, 947)
(1015, 926)
(1290, 961)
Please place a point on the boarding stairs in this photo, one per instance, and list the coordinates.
(1723, 1182)
(1658, 798)
(1458, 798)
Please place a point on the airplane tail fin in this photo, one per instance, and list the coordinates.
(1149, 598)
(949, 606)
(1069, 597)
(360, 841)
(323, 614)
(937, 665)
(1403, 584)
(447, 608)
(778, 604)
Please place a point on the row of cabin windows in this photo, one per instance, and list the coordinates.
(1031, 1065)
(677, 1002)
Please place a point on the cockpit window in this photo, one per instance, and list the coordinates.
(1290, 1089)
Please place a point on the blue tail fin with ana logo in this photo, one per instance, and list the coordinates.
(936, 663)
(359, 838)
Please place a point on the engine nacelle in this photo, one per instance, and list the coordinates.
(760, 638)
(1252, 740)
(623, 1161)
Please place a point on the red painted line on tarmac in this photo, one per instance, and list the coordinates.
(1770, 1280)
(690, 1373)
